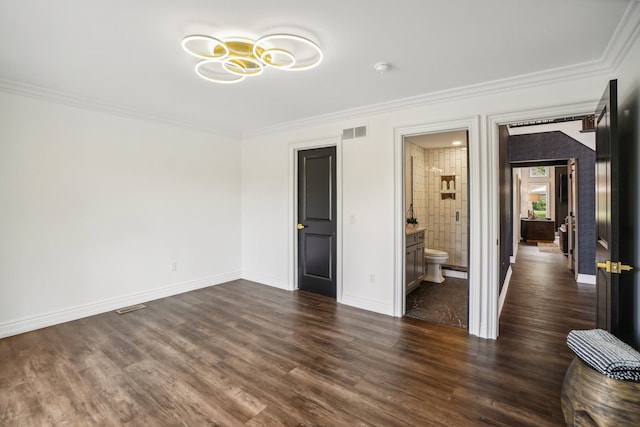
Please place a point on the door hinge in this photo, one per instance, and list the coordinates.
(614, 267)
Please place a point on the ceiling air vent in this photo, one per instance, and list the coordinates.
(354, 133)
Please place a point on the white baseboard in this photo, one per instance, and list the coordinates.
(264, 279)
(73, 313)
(587, 279)
(367, 304)
(505, 289)
(455, 273)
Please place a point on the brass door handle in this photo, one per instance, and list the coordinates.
(300, 226)
(614, 267)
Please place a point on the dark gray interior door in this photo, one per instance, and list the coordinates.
(629, 281)
(317, 220)
(607, 175)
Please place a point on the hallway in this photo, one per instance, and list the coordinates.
(544, 300)
(543, 304)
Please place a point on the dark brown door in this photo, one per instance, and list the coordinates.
(607, 205)
(317, 220)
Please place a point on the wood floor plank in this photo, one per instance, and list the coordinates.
(177, 399)
(20, 406)
(245, 354)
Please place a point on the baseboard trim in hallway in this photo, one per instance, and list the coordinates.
(587, 279)
(505, 289)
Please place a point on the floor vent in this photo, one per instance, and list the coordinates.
(131, 308)
(354, 133)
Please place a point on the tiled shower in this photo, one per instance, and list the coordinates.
(442, 207)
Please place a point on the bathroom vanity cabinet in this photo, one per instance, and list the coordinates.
(415, 267)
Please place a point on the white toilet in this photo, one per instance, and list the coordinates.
(434, 259)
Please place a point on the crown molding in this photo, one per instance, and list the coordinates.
(625, 34)
(72, 100)
(583, 70)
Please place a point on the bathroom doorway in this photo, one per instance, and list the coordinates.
(437, 229)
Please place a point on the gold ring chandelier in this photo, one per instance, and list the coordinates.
(233, 59)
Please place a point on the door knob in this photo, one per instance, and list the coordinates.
(300, 226)
(614, 267)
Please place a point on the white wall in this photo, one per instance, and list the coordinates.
(419, 182)
(368, 187)
(627, 71)
(95, 207)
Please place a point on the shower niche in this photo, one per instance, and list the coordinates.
(448, 187)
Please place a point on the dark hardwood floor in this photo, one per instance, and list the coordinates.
(247, 354)
(444, 303)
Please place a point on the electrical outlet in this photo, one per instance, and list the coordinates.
(173, 266)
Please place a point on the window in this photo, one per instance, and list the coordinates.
(537, 171)
(537, 198)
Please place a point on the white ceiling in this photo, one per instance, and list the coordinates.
(439, 140)
(125, 55)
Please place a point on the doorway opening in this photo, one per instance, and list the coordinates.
(553, 165)
(544, 207)
(483, 297)
(436, 204)
(550, 207)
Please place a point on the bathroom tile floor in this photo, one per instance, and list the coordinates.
(444, 303)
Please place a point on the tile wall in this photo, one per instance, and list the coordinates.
(419, 188)
(444, 232)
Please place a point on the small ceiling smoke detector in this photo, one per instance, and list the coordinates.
(382, 67)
